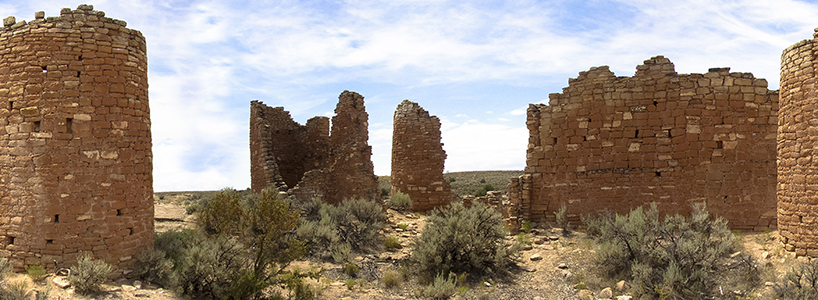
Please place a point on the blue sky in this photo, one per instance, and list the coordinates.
(475, 64)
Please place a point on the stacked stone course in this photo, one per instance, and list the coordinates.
(615, 143)
(418, 158)
(797, 136)
(75, 142)
(313, 161)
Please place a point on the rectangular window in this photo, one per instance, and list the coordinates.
(68, 123)
(36, 126)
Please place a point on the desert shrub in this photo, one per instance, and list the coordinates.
(675, 258)
(17, 290)
(526, 226)
(5, 267)
(400, 202)
(351, 269)
(801, 282)
(36, 272)
(392, 242)
(403, 226)
(452, 179)
(562, 218)
(384, 192)
(484, 189)
(154, 266)
(338, 231)
(482, 180)
(236, 225)
(88, 275)
(392, 279)
(441, 288)
(460, 239)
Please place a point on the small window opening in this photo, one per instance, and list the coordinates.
(56, 218)
(10, 240)
(49, 241)
(79, 58)
(719, 145)
(68, 123)
(118, 212)
(79, 73)
(584, 138)
(658, 174)
(636, 134)
(11, 105)
(655, 102)
(45, 69)
(130, 231)
(553, 141)
(36, 126)
(668, 134)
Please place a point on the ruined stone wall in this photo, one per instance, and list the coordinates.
(797, 133)
(313, 160)
(418, 158)
(75, 142)
(616, 143)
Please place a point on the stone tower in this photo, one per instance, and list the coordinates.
(75, 140)
(797, 136)
(418, 158)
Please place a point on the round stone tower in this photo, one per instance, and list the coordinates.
(75, 140)
(797, 161)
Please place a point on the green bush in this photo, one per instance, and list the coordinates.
(400, 202)
(459, 239)
(88, 275)
(527, 226)
(5, 267)
(154, 266)
(35, 272)
(17, 290)
(338, 231)
(442, 288)
(351, 269)
(392, 279)
(392, 242)
(484, 189)
(674, 257)
(801, 282)
(209, 266)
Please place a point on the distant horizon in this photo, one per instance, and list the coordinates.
(477, 66)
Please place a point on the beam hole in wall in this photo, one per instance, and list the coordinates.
(658, 174)
(56, 218)
(36, 126)
(118, 212)
(636, 133)
(49, 241)
(655, 102)
(11, 105)
(668, 134)
(553, 141)
(79, 58)
(719, 145)
(45, 69)
(68, 124)
(130, 231)
(9, 240)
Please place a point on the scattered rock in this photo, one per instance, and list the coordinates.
(606, 293)
(765, 254)
(486, 283)
(527, 247)
(337, 283)
(529, 269)
(735, 254)
(586, 295)
(621, 286)
(553, 237)
(536, 257)
(567, 274)
(142, 295)
(539, 241)
(624, 298)
(61, 282)
(128, 288)
(562, 266)
(137, 284)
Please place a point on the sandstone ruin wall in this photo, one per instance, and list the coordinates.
(75, 140)
(615, 143)
(418, 158)
(797, 136)
(313, 160)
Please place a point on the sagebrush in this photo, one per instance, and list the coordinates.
(459, 239)
(800, 283)
(338, 231)
(400, 202)
(88, 275)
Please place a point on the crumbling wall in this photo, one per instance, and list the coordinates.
(615, 143)
(75, 140)
(418, 158)
(313, 160)
(797, 133)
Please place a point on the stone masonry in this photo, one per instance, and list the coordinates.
(75, 140)
(797, 136)
(615, 143)
(311, 161)
(418, 158)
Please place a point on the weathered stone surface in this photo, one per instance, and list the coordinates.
(797, 131)
(615, 143)
(418, 158)
(69, 184)
(313, 160)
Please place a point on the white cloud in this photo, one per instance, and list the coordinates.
(476, 145)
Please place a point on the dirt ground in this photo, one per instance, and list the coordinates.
(550, 268)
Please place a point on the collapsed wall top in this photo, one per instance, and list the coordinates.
(75, 140)
(313, 160)
(615, 143)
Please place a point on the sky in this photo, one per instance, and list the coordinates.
(477, 65)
